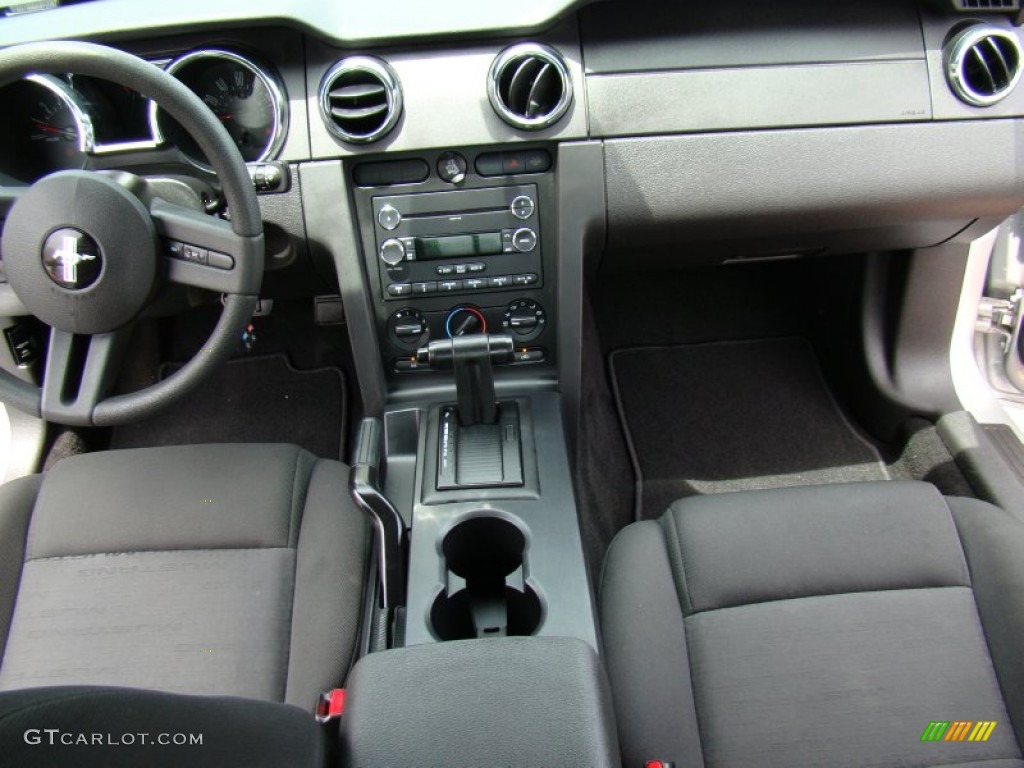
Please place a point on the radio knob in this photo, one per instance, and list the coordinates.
(389, 217)
(522, 207)
(392, 252)
(524, 240)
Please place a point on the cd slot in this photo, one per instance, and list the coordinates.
(467, 212)
(457, 201)
(454, 224)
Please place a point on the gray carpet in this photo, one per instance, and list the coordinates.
(731, 416)
(251, 400)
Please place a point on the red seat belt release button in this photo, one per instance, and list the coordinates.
(659, 764)
(330, 706)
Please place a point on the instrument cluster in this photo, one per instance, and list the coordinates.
(60, 122)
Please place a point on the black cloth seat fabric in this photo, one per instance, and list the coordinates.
(87, 727)
(823, 626)
(230, 570)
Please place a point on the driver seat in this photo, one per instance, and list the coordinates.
(234, 570)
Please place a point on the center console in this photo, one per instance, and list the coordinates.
(474, 497)
(484, 592)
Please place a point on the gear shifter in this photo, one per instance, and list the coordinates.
(478, 440)
(471, 357)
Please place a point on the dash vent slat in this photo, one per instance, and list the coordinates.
(983, 64)
(529, 86)
(360, 99)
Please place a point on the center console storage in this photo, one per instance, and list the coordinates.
(511, 702)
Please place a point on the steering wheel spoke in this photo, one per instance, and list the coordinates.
(8, 196)
(80, 370)
(10, 304)
(204, 252)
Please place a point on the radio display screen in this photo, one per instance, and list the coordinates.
(455, 246)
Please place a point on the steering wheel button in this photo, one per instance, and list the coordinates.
(220, 260)
(194, 254)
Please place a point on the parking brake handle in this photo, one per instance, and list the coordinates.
(365, 483)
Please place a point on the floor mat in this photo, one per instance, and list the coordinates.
(251, 400)
(711, 418)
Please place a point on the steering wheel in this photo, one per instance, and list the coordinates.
(83, 253)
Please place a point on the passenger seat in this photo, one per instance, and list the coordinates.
(865, 624)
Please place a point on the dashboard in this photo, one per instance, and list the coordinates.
(393, 146)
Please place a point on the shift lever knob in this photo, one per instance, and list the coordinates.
(471, 357)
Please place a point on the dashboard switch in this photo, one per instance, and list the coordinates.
(529, 355)
(451, 167)
(269, 176)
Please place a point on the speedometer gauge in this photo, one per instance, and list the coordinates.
(247, 99)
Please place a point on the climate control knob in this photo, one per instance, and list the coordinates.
(465, 320)
(408, 329)
(392, 252)
(524, 319)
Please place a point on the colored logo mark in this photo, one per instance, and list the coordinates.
(958, 730)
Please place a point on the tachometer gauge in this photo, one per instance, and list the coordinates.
(49, 128)
(247, 99)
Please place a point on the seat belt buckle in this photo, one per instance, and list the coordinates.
(330, 706)
(659, 764)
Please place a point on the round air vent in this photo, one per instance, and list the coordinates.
(983, 64)
(529, 86)
(360, 99)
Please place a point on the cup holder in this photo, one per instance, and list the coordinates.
(486, 594)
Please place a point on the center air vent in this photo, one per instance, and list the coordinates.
(360, 99)
(529, 86)
(983, 64)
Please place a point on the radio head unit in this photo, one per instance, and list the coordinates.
(491, 235)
